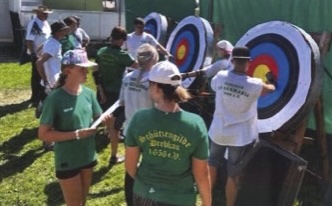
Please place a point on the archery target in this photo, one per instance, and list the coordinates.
(156, 24)
(293, 57)
(191, 44)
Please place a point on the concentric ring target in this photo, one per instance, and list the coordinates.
(191, 44)
(293, 57)
(156, 24)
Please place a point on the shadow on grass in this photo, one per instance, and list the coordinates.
(13, 108)
(102, 141)
(17, 164)
(13, 162)
(98, 175)
(106, 193)
(54, 194)
(16, 143)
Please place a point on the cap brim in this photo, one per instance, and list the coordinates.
(46, 12)
(87, 64)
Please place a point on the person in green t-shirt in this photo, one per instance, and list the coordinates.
(172, 144)
(70, 42)
(112, 62)
(67, 115)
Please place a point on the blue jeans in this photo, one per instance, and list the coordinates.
(236, 154)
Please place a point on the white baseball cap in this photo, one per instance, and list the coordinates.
(226, 45)
(165, 72)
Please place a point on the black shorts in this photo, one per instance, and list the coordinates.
(111, 98)
(72, 173)
(119, 114)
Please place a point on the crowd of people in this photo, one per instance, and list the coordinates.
(170, 154)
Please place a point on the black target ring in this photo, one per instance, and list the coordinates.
(293, 56)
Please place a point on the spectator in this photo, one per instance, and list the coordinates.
(70, 41)
(67, 115)
(234, 124)
(37, 32)
(139, 37)
(112, 61)
(80, 34)
(173, 144)
(49, 64)
(224, 50)
(134, 96)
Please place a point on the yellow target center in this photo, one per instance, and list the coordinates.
(261, 71)
(181, 52)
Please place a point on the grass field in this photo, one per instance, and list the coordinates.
(27, 172)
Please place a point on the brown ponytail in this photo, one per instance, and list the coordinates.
(174, 93)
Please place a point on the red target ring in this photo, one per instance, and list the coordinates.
(293, 57)
(191, 44)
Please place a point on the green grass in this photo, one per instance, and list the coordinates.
(27, 172)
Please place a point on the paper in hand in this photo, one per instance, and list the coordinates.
(107, 112)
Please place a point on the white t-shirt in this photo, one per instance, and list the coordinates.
(134, 41)
(81, 35)
(213, 69)
(37, 36)
(53, 64)
(134, 94)
(235, 118)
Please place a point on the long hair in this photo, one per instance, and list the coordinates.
(62, 78)
(174, 93)
(145, 54)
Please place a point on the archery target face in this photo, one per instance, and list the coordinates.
(156, 24)
(280, 48)
(191, 44)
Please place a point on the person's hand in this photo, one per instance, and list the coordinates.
(170, 56)
(108, 121)
(271, 78)
(34, 57)
(48, 89)
(86, 132)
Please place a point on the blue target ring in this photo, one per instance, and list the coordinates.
(190, 34)
(191, 45)
(151, 27)
(287, 60)
(280, 58)
(294, 58)
(156, 24)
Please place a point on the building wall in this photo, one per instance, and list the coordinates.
(6, 33)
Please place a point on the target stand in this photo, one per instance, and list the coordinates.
(293, 142)
(293, 56)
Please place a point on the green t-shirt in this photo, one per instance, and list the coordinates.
(66, 112)
(67, 43)
(167, 142)
(112, 62)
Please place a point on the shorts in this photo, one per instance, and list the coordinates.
(119, 114)
(237, 157)
(72, 173)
